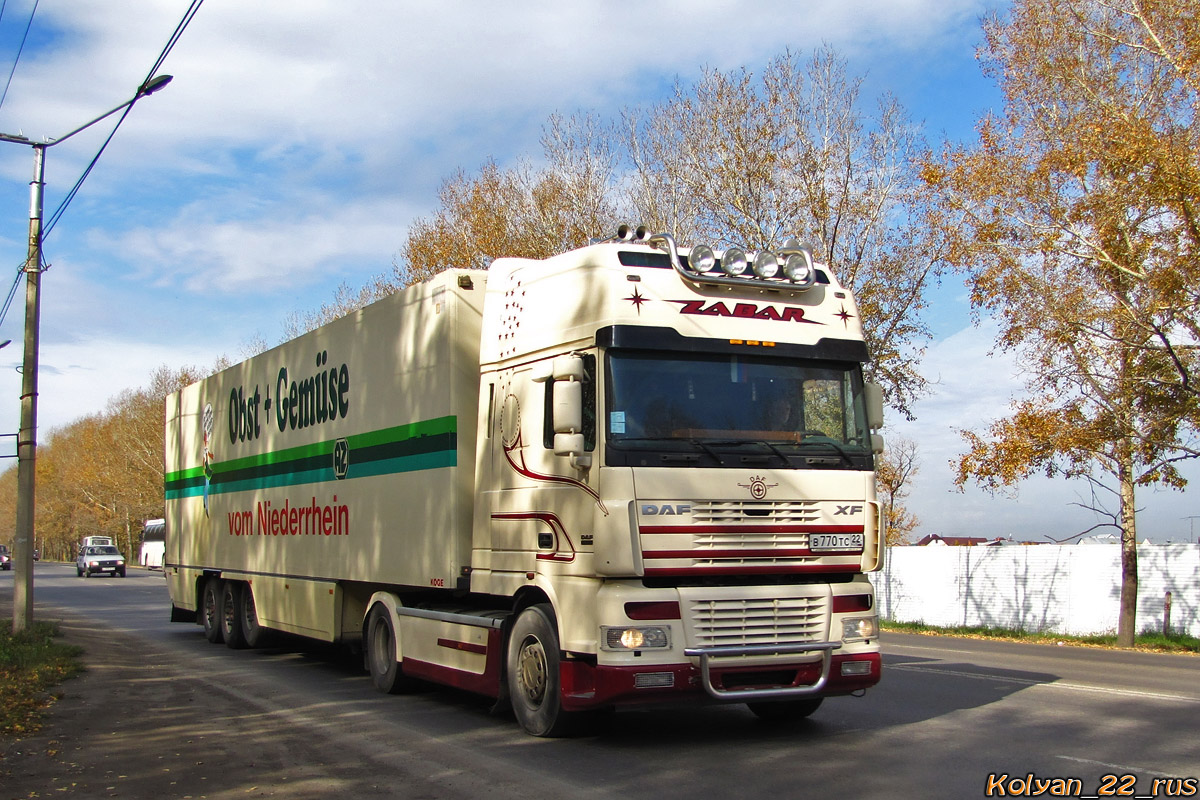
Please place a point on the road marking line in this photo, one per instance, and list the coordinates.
(1120, 767)
(1078, 687)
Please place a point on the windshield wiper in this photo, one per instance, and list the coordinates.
(709, 451)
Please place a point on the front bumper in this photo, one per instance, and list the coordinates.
(587, 686)
(99, 569)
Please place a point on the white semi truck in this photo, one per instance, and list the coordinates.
(628, 474)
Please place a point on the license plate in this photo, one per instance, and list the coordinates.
(835, 542)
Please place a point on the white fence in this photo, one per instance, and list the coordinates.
(1070, 589)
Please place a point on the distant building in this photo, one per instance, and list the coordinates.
(952, 541)
(969, 541)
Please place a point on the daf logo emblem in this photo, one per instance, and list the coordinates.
(758, 487)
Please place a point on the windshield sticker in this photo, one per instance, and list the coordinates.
(616, 421)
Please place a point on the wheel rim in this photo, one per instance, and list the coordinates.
(249, 615)
(210, 608)
(381, 646)
(229, 612)
(531, 665)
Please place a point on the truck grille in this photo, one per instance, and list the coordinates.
(735, 512)
(741, 537)
(775, 621)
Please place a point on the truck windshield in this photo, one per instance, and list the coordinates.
(664, 409)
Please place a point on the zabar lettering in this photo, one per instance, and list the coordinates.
(744, 311)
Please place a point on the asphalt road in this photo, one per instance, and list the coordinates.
(951, 718)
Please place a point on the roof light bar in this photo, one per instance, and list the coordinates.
(791, 266)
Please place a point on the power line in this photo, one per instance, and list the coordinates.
(17, 59)
(11, 293)
(179, 29)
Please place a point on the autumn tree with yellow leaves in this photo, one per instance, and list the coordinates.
(1075, 215)
(103, 474)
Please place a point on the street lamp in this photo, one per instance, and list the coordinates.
(27, 435)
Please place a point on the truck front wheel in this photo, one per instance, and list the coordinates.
(533, 673)
(381, 654)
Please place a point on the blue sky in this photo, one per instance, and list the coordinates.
(299, 139)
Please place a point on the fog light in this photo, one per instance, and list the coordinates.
(766, 265)
(701, 259)
(856, 667)
(733, 261)
(653, 680)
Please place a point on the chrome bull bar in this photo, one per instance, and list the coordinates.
(706, 654)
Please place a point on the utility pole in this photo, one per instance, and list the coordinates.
(27, 435)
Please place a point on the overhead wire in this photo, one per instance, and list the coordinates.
(20, 49)
(12, 292)
(62, 207)
(170, 45)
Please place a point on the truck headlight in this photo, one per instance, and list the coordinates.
(642, 638)
(859, 628)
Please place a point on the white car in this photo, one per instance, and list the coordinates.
(100, 559)
(5, 557)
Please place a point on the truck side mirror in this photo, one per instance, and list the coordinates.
(567, 411)
(873, 394)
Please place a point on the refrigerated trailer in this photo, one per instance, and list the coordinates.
(628, 474)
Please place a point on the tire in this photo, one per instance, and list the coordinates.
(210, 610)
(121, 573)
(231, 616)
(532, 672)
(380, 654)
(786, 710)
(252, 632)
(78, 572)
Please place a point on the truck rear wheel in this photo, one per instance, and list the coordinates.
(210, 610)
(533, 673)
(231, 616)
(786, 710)
(248, 614)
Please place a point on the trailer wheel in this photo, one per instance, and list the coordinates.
(381, 654)
(787, 710)
(533, 673)
(231, 617)
(210, 610)
(253, 633)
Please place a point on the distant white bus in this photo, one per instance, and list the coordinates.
(153, 544)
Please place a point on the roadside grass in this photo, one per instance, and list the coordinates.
(1150, 641)
(31, 664)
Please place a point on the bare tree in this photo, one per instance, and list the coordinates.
(750, 161)
(894, 474)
